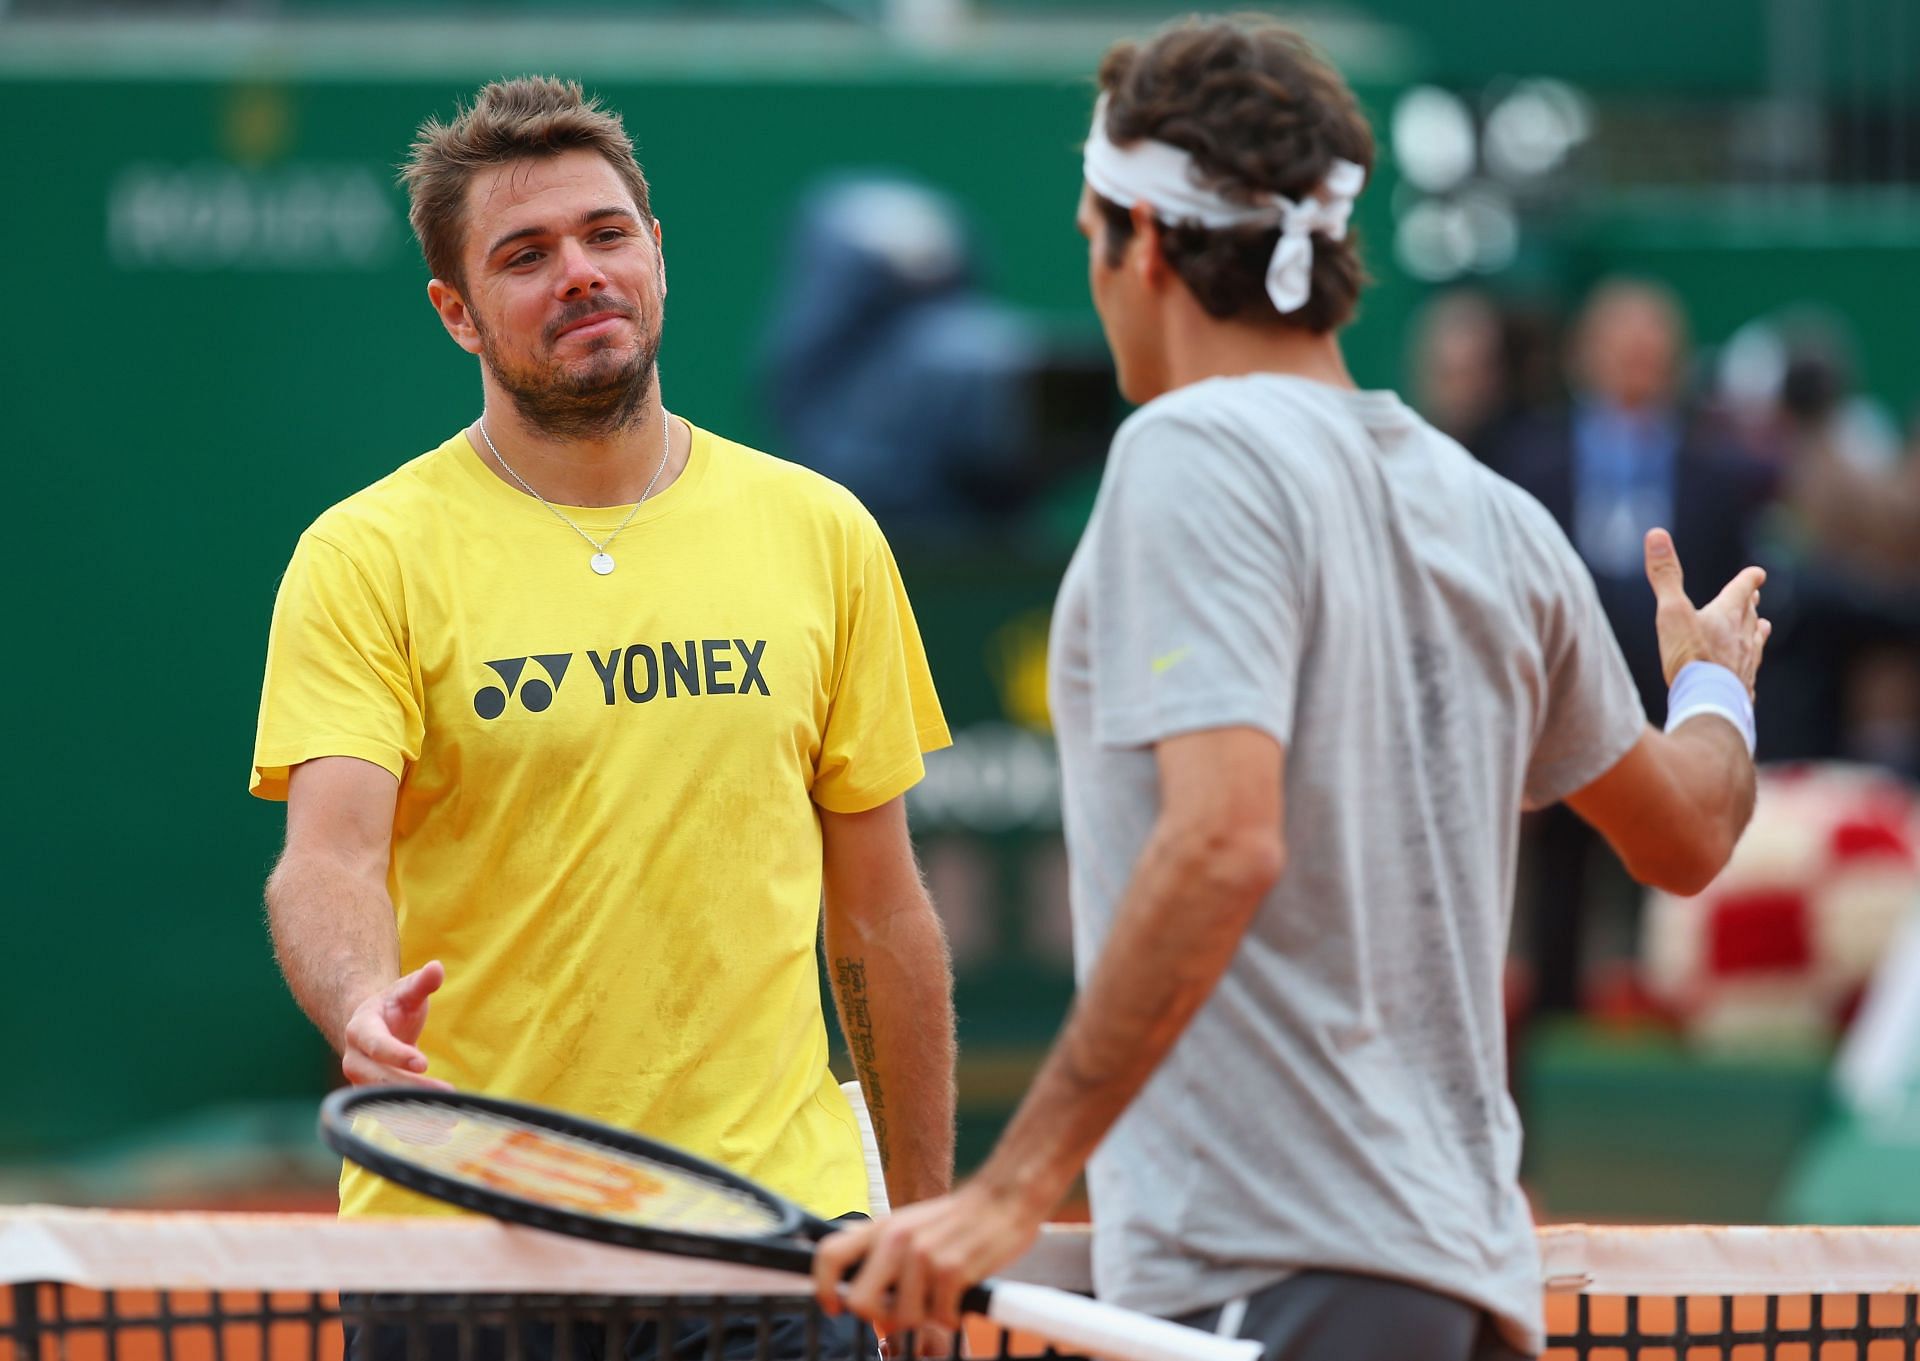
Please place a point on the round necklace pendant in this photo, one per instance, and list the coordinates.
(601, 563)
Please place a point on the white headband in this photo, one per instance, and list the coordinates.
(1165, 178)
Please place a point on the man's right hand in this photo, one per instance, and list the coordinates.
(384, 1030)
(1728, 632)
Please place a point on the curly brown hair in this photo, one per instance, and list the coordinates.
(510, 120)
(1260, 112)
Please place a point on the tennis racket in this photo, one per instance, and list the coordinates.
(550, 1170)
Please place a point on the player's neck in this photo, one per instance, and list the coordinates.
(1199, 347)
(610, 470)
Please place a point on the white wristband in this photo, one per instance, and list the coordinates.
(1708, 688)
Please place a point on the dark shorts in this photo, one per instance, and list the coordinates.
(1337, 1316)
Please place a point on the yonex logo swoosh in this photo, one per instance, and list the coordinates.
(536, 694)
(1166, 661)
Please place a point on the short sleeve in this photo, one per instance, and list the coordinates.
(1199, 597)
(1590, 715)
(338, 680)
(883, 714)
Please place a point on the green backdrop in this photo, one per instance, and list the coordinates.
(218, 325)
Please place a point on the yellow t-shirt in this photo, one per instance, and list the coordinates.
(606, 825)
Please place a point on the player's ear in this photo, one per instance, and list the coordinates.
(1153, 267)
(660, 255)
(455, 315)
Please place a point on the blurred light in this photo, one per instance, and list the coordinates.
(1867, 436)
(1493, 229)
(1752, 364)
(914, 230)
(1432, 138)
(1531, 130)
(1434, 242)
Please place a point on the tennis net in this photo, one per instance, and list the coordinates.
(101, 1285)
(96, 1285)
(1732, 1293)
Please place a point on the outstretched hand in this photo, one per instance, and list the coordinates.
(383, 1033)
(1728, 631)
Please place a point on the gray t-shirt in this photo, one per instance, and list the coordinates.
(1326, 567)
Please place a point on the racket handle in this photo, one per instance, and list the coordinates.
(1103, 1329)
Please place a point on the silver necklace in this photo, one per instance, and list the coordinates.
(601, 561)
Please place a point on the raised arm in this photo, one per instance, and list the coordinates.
(887, 960)
(1674, 806)
(333, 923)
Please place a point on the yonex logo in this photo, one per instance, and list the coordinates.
(711, 666)
(637, 674)
(536, 694)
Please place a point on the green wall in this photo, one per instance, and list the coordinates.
(1655, 46)
(217, 326)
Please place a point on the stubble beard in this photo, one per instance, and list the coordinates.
(596, 398)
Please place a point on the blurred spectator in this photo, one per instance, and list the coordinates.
(1847, 494)
(1842, 548)
(1457, 364)
(1624, 456)
(1535, 341)
(889, 370)
(1627, 455)
(1478, 363)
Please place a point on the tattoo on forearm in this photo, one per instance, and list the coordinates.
(857, 1020)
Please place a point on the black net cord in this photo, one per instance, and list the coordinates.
(464, 1334)
(619, 1327)
(669, 1331)
(763, 1336)
(25, 1324)
(317, 1313)
(165, 1310)
(110, 1320)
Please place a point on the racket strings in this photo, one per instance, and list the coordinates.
(500, 1153)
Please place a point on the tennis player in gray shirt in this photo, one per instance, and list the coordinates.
(1309, 664)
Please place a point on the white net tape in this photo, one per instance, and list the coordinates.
(120, 1249)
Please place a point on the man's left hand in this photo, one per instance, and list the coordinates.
(914, 1265)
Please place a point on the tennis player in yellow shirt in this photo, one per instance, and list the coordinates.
(579, 715)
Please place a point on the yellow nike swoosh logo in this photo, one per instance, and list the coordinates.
(1170, 660)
